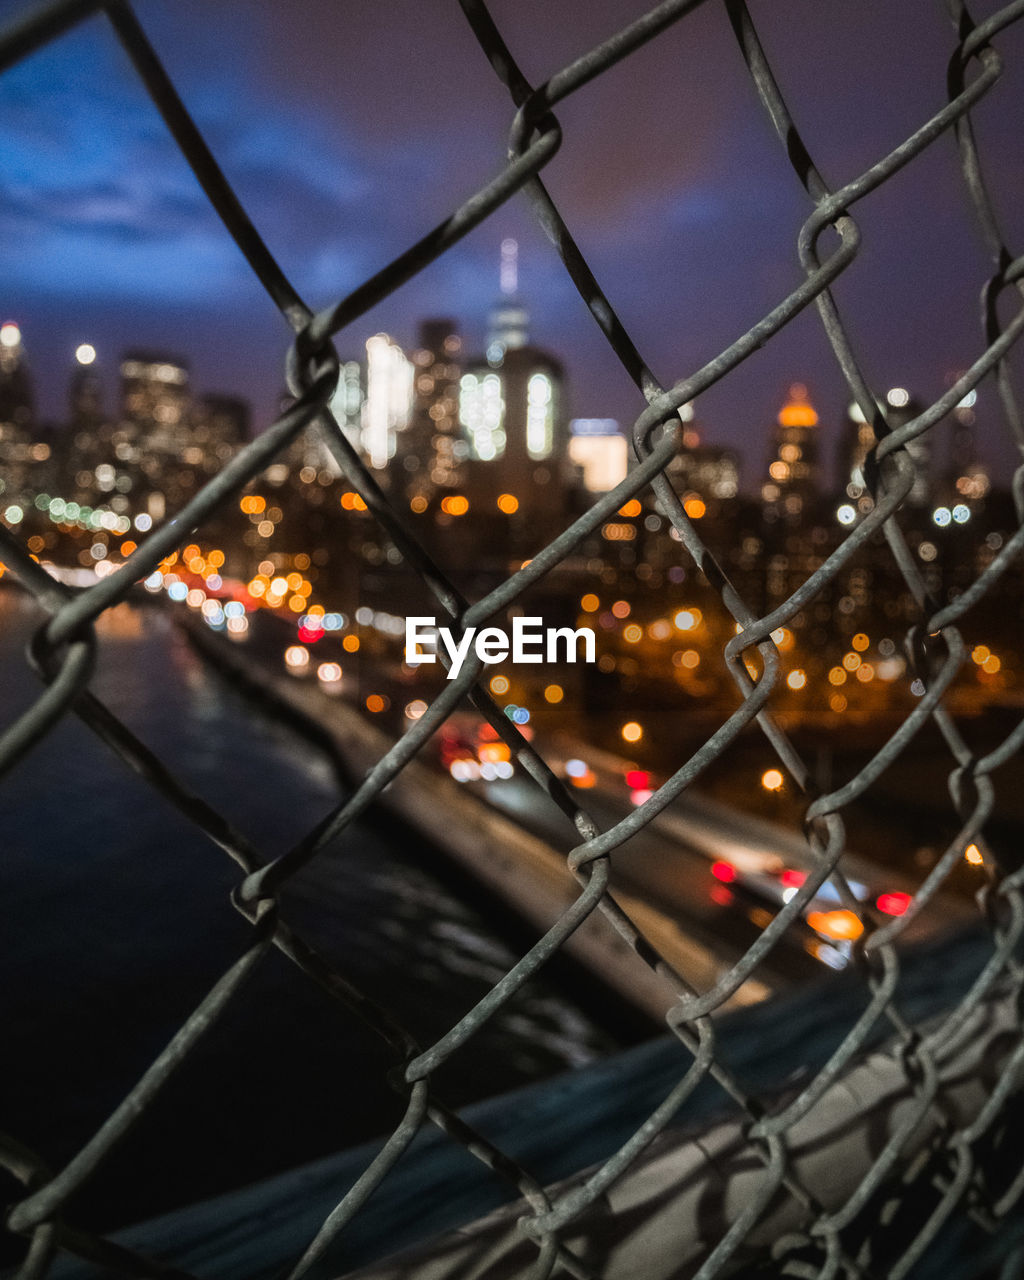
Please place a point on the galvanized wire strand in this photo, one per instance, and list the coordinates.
(104, 1253)
(23, 36)
(572, 1204)
(368, 1182)
(33, 1210)
(817, 188)
(32, 1172)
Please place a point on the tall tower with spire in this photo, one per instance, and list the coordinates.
(509, 319)
(510, 402)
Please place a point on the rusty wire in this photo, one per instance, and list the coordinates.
(64, 649)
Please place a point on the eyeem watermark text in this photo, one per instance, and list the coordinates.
(530, 641)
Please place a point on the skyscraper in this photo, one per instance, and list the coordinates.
(794, 482)
(17, 451)
(162, 448)
(387, 404)
(347, 401)
(433, 448)
(600, 449)
(966, 476)
(85, 390)
(901, 408)
(155, 395)
(857, 441)
(510, 402)
(16, 400)
(704, 475)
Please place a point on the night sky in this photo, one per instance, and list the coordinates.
(349, 129)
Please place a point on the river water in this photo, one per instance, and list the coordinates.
(115, 920)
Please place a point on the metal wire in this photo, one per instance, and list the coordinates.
(822, 1230)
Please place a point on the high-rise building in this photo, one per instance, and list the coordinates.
(16, 400)
(164, 446)
(510, 320)
(966, 477)
(482, 411)
(309, 453)
(386, 408)
(85, 390)
(156, 397)
(598, 447)
(220, 427)
(856, 442)
(347, 401)
(793, 487)
(225, 418)
(901, 408)
(705, 476)
(510, 402)
(433, 447)
(18, 451)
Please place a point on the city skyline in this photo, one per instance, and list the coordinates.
(118, 247)
(832, 423)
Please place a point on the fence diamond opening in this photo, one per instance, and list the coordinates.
(939, 1135)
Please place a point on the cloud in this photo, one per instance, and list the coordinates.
(96, 200)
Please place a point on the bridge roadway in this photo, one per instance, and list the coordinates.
(663, 874)
(669, 864)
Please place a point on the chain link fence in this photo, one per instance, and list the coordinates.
(942, 1097)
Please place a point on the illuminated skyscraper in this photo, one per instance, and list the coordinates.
(703, 475)
(347, 401)
(531, 386)
(966, 476)
(482, 411)
(85, 390)
(794, 479)
(433, 448)
(16, 401)
(509, 319)
(601, 450)
(858, 439)
(163, 447)
(155, 396)
(388, 402)
(309, 454)
(901, 408)
(18, 452)
(510, 401)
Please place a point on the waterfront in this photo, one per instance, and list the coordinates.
(117, 920)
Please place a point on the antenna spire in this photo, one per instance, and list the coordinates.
(509, 268)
